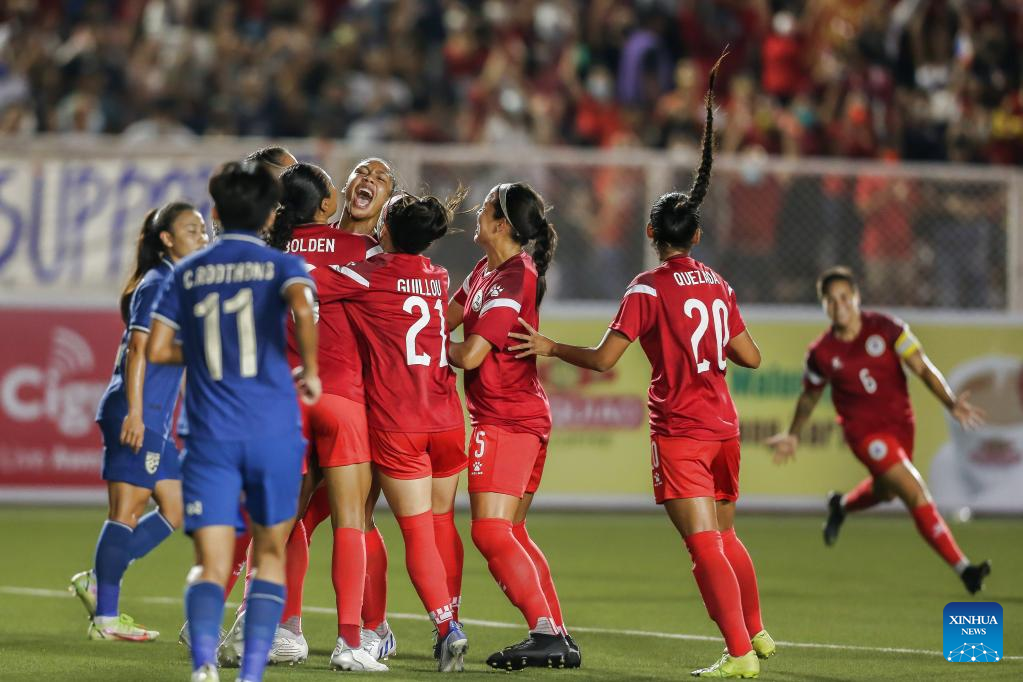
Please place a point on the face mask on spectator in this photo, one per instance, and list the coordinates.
(600, 87)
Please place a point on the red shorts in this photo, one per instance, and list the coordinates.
(879, 452)
(686, 467)
(336, 430)
(505, 461)
(418, 455)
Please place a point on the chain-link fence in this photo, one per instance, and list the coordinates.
(940, 236)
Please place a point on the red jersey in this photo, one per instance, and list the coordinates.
(396, 304)
(324, 247)
(504, 391)
(868, 384)
(684, 314)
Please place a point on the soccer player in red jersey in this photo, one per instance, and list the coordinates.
(335, 426)
(511, 417)
(862, 357)
(396, 304)
(688, 323)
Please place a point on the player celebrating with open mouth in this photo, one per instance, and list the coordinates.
(688, 323)
(135, 413)
(396, 304)
(862, 357)
(228, 304)
(510, 414)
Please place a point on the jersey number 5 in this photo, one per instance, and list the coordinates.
(719, 312)
(419, 305)
(208, 310)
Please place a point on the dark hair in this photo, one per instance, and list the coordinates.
(528, 221)
(303, 188)
(272, 155)
(416, 222)
(675, 216)
(838, 273)
(244, 193)
(150, 249)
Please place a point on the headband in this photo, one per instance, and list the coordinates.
(502, 198)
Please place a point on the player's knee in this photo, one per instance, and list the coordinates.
(490, 535)
(173, 514)
(214, 574)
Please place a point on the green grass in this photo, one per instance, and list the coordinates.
(879, 587)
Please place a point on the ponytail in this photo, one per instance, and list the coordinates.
(150, 249)
(675, 217)
(303, 188)
(415, 223)
(526, 213)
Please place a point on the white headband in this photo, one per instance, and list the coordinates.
(502, 198)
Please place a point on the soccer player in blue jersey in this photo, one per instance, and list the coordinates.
(139, 459)
(227, 304)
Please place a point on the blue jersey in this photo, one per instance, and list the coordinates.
(160, 390)
(227, 304)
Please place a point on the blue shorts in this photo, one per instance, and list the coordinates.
(241, 524)
(155, 461)
(267, 470)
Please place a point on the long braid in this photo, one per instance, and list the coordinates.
(701, 183)
(544, 245)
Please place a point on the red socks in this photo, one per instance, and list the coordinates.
(543, 571)
(317, 511)
(374, 596)
(933, 529)
(348, 571)
(861, 497)
(296, 563)
(746, 576)
(719, 588)
(449, 544)
(241, 548)
(512, 567)
(426, 569)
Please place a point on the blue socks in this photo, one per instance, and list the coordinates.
(265, 606)
(204, 609)
(151, 530)
(113, 554)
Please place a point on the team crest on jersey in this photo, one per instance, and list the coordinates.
(152, 462)
(495, 291)
(875, 345)
(477, 301)
(877, 449)
(836, 363)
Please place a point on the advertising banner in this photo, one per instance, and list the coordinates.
(600, 445)
(54, 366)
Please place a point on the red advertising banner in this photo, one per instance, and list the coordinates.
(54, 367)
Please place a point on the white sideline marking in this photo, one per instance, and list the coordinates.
(61, 594)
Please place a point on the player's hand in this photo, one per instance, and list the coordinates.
(783, 446)
(535, 342)
(964, 412)
(308, 385)
(133, 431)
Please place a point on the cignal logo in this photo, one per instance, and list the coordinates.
(57, 392)
(972, 632)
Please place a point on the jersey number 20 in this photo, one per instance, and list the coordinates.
(719, 313)
(418, 304)
(209, 310)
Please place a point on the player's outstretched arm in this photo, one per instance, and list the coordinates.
(132, 428)
(453, 315)
(307, 377)
(599, 358)
(161, 348)
(744, 351)
(469, 354)
(783, 445)
(962, 410)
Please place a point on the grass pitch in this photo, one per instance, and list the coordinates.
(624, 582)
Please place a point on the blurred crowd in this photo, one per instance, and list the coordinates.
(910, 79)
